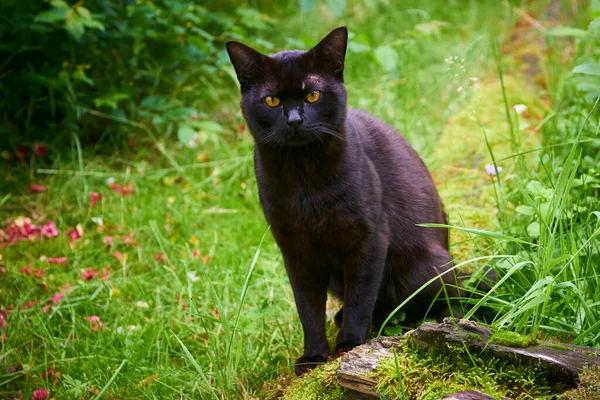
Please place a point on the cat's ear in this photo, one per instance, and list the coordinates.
(244, 59)
(331, 51)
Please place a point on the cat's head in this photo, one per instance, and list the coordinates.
(294, 97)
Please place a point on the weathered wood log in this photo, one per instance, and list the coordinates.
(567, 360)
(468, 395)
(564, 360)
(358, 363)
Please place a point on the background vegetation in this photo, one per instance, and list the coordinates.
(170, 285)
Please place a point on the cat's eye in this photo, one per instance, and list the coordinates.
(272, 101)
(313, 96)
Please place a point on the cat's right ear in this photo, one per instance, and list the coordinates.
(244, 59)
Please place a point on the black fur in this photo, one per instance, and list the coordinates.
(343, 193)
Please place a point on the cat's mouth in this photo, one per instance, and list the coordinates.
(298, 140)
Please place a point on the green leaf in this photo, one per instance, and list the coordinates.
(588, 69)
(537, 189)
(307, 5)
(59, 4)
(525, 210)
(563, 31)
(74, 25)
(185, 134)
(84, 13)
(336, 6)
(51, 16)
(386, 57)
(533, 229)
(93, 24)
(156, 102)
(594, 28)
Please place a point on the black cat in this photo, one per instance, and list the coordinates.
(343, 193)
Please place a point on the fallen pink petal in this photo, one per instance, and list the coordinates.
(57, 298)
(40, 150)
(125, 190)
(108, 240)
(160, 257)
(26, 269)
(105, 274)
(39, 273)
(94, 197)
(49, 230)
(76, 233)
(66, 288)
(95, 322)
(28, 305)
(3, 317)
(57, 260)
(40, 394)
(88, 274)
(35, 188)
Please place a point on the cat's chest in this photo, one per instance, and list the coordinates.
(302, 219)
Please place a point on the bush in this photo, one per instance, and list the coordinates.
(122, 59)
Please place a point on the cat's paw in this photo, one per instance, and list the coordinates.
(305, 364)
(343, 348)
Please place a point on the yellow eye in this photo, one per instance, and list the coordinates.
(272, 101)
(313, 96)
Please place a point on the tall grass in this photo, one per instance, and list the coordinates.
(550, 275)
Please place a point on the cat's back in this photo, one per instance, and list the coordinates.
(384, 145)
(409, 193)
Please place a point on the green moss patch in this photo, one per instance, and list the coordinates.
(432, 373)
(512, 339)
(319, 384)
(589, 386)
(557, 346)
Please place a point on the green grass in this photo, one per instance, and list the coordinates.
(225, 326)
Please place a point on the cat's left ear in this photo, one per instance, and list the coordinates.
(331, 51)
(244, 59)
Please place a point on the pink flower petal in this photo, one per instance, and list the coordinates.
(105, 275)
(122, 189)
(76, 233)
(40, 150)
(95, 322)
(3, 318)
(28, 305)
(40, 394)
(26, 269)
(94, 197)
(108, 240)
(160, 257)
(49, 230)
(88, 274)
(57, 298)
(39, 273)
(35, 188)
(57, 260)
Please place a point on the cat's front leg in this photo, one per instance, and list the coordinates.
(363, 272)
(309, 284)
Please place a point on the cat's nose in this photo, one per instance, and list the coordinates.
(294, 119)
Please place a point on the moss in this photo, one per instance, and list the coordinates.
(431, 373)
(512, 339)
(474, 337)
(589, 386)
(557, 346)
(320, 383)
